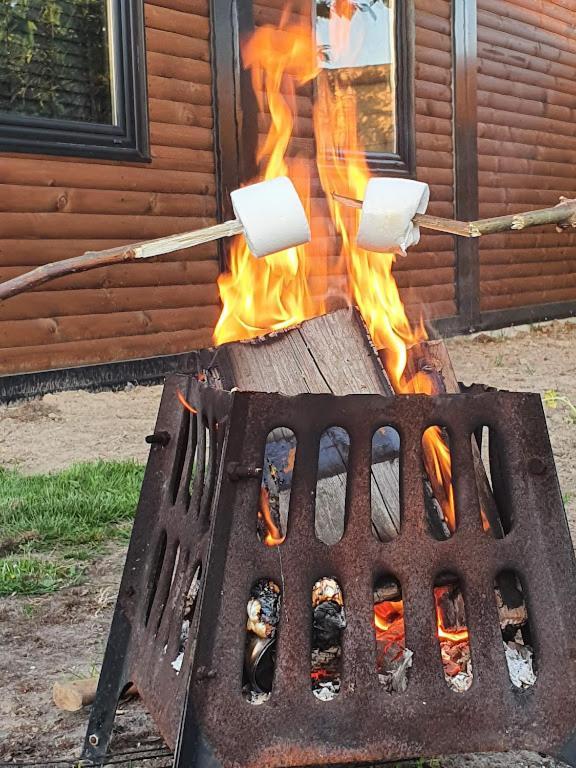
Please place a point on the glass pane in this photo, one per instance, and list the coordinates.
(55, 59)
(356, 52)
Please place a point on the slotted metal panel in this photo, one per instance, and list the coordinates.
(168, 546)
(363, 723)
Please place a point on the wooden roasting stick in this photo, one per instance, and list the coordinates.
(563, 215)
(255, 207)
(122, 254)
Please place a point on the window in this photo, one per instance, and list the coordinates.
(72, 78)
(365, 52)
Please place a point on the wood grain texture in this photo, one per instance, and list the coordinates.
(328, 354)
(527, 147)
(57, 208)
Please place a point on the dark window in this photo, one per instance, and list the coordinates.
(366, 54)
(72, 78)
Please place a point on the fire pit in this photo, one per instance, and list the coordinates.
(196, 561)
(332, 575)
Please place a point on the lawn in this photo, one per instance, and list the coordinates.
(53, 525)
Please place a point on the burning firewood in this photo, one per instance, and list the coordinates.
(300, 359)
(429, 369)
(393, 659)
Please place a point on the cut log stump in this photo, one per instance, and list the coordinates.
(72, 695)
(328, 354)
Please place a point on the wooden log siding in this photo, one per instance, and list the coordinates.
(527, 146)
(54, 208)
(429, 268)
(426, 276)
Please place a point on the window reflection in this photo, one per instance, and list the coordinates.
(357, 55)
(54, 60)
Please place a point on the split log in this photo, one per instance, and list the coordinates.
(303, 359)
(72, 695)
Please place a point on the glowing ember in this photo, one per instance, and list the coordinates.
(182, 400)
(389, 622)
(390, 637)
(456, 635)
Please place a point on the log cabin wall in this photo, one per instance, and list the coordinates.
(427, 277)
(53, 208)
(519, 132)
(526, 154)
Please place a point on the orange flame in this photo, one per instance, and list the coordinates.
(182, 400)
(389, 622)
(273, 535)
(264, 295)
(343, 170)
(458, 635)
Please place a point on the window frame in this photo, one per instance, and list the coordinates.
(403, 161)
(127, 139)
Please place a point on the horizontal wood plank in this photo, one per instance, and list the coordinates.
(527, 147)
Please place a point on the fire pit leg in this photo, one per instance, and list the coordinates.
(112, 683)
(192, 748)
(568, 752)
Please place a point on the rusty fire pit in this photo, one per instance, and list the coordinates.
(179, 628)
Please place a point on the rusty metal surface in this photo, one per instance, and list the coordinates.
(169, 540)
(364, 723)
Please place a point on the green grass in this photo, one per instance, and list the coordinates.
(28, 575)
(51, 526)
(552, 398)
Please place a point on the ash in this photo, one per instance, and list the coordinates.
(395, 677)
(520, 660)
(255, 697)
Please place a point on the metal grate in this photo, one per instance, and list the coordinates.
(167, 553)
(362, 724)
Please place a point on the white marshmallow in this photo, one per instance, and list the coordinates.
(272, 216)
(387, 212)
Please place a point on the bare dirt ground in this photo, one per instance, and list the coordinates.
(59, 636)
